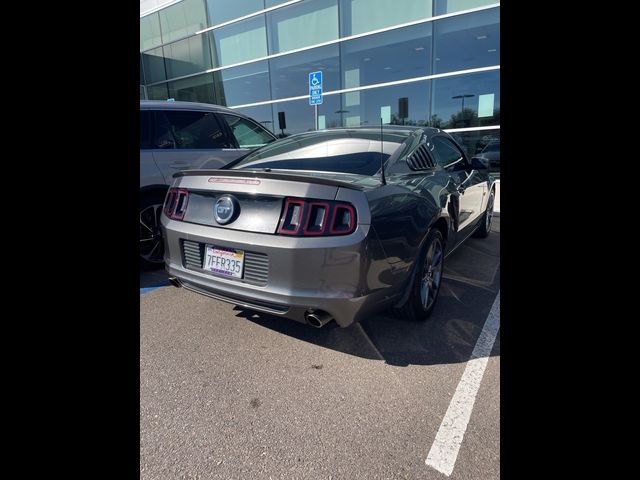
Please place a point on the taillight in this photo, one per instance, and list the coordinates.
(175, 204)
(316, 217)
(343, 220)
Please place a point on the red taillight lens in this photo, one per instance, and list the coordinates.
(315, 217)
(175, 204)
(291, 218)
(343, 220)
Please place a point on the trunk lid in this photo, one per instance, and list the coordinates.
(258, 196)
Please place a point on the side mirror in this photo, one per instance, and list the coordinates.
(479, 163)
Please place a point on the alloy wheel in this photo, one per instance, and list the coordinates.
(431, 274)
(151, 243)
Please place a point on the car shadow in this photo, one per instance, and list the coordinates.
(153, 278)
(471, 283)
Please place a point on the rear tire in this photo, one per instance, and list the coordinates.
(427, 279)
(485, 226)
(151, 241)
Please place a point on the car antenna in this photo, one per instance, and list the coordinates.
(383, 180)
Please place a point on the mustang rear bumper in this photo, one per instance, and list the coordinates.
(339, 275)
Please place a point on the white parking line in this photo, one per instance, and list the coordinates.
(446, 445)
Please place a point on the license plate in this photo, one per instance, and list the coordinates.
(224, 262)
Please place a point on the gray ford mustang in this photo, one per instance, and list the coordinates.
(311, 228)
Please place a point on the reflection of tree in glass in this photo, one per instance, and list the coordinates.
(469, 118)
(435, 122)
(462, 119)
(396, 120)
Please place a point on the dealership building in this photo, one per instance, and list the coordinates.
(412, 62)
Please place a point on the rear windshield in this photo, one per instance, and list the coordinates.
(341, 152)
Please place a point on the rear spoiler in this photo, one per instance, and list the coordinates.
(273, 175)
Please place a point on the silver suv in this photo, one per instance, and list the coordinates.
(178, 136)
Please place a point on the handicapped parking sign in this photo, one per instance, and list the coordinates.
(315, 88)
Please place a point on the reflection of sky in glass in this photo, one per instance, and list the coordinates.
(299, 114)
(387, 57)
(467, 41)
(474, 84)
(246, 84)
(188, 56)
(261, 114)
(290, 73)
(240, 42)
(379, 102)
(221, 11)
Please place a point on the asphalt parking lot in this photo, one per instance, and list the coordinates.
(227, 394)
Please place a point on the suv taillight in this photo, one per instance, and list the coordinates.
(175, 203)
(316, 217)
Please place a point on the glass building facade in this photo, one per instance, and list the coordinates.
(412, 62)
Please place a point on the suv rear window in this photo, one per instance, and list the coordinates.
(247, 134)
(185, 129)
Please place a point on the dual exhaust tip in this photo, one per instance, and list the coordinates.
(315, 318)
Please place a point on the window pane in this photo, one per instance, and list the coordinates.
(299, 115)
(142, 82)
(245, 84)
(271, 3)
(449, 6)
(142, 96)
(388, 56)
(262, 114)
(183, 18)
(360, 16)
(240, 42)
(467, 41)
(194, 89)
(290, 73)
(484, 144)
(195, 129)
(247, 134)
(221, 11)
(150, 31)
(303, 24)
(158, 92)
(187, 56)
(153, 64)
(367, 107)
(478, 92)
(445, 152)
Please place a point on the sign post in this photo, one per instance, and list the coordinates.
(315, 94)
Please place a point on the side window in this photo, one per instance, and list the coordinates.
(447, 153)
(247, 134)
(189, 129)
(145, 130)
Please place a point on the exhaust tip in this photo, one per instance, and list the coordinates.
(317, 318)
(175, 282)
